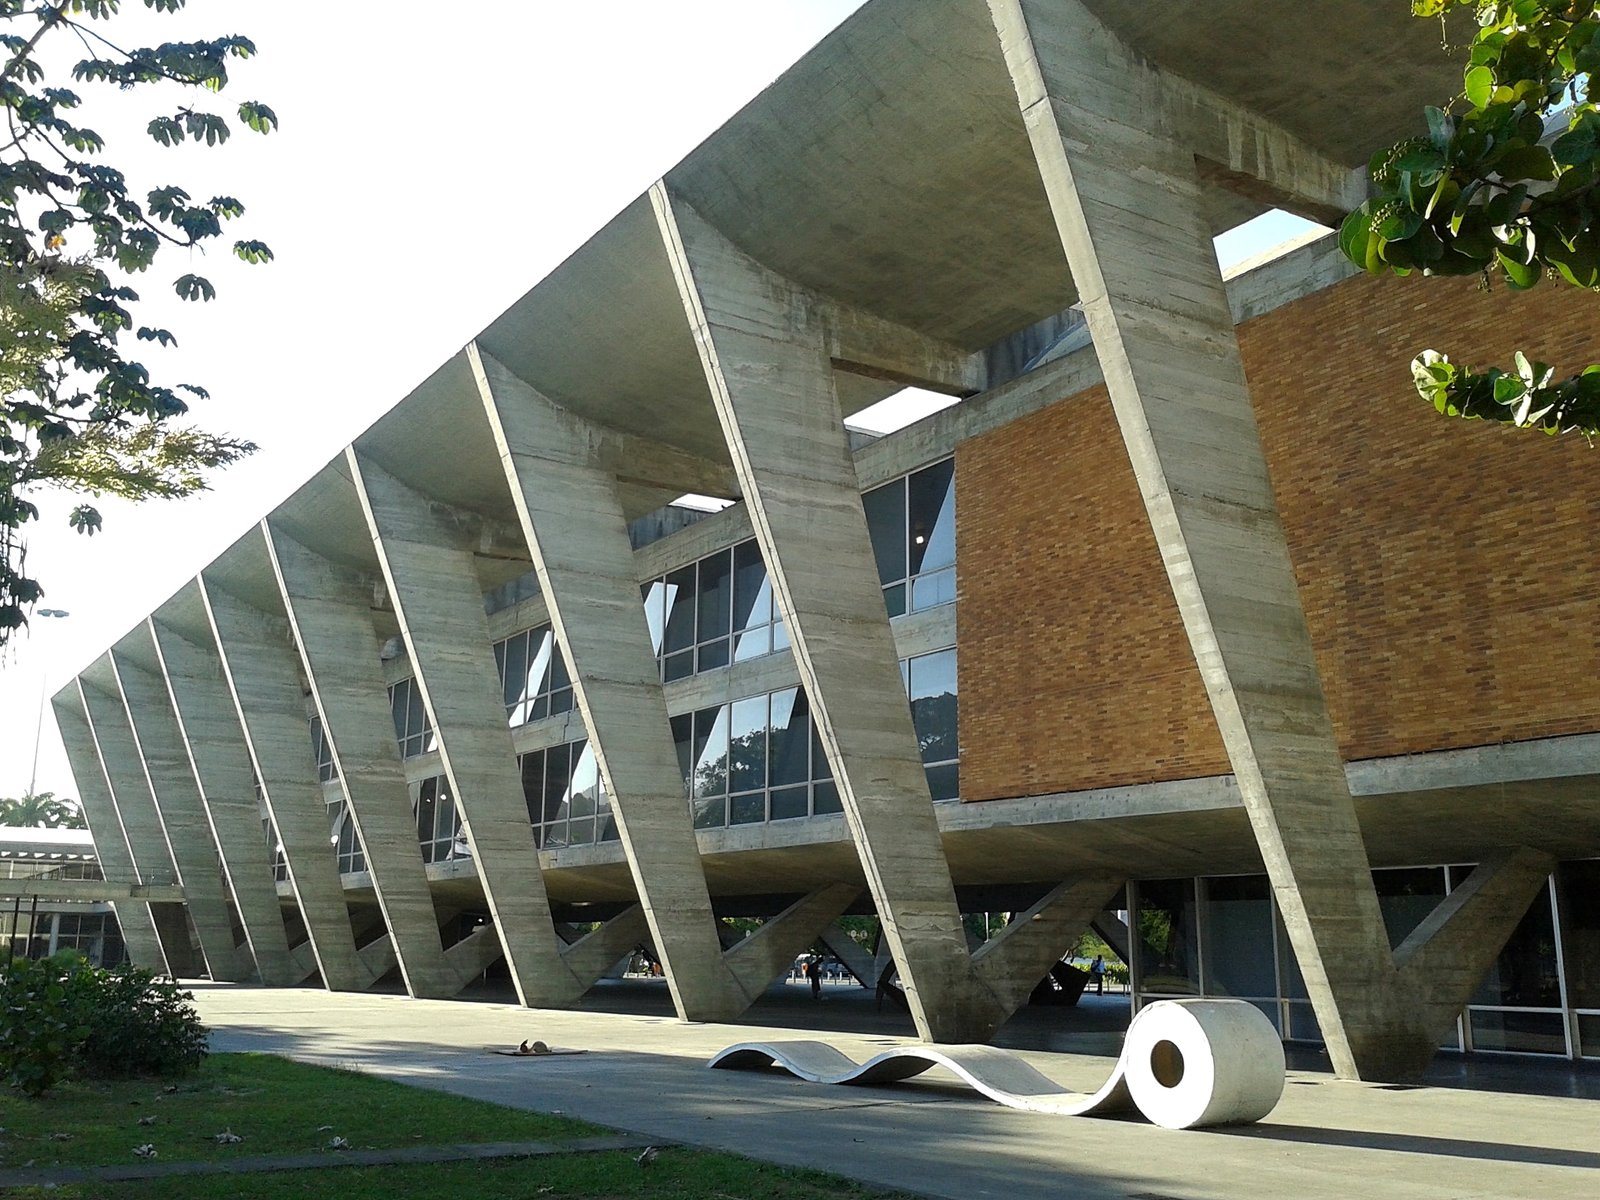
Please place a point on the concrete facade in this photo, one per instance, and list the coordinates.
(569, 721)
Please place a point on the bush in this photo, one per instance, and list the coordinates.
(60, 1016)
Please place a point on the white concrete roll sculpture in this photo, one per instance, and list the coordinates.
(1185, 1064)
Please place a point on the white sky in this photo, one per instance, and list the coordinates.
(431, 166)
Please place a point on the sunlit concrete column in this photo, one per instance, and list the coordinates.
(771, 380)
(1127, 206)
(172, 786)
(257, 657)
(329, 609)
(209, 727)
(578, 537)
(136, 809)
(426, 557)
(110, 844)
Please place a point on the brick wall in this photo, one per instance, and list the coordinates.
(1447, 569)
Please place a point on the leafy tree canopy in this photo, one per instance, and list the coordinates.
(75, 411)
(1503, 185)
(35, 810)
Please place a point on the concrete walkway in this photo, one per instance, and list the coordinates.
(646, 1075)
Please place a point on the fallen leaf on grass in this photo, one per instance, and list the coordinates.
(226, 1138)
(338, 1143)
(145, 1151)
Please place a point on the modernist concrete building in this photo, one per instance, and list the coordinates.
(53, 897)
(1241, 636)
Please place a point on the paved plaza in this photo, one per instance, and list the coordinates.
(645, 1074)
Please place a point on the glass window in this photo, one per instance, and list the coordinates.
(789, 752)
(1168, 963)
(747, 745)
(1522, 1032)
(1524, 976)
(323, 750)
(886, 521)
(533, 675)
(709, 782)
(932, 517)
(1579, 884)
(412, 730)
(1238, 937)
(557, 778)
(931, 686)
(752, 603)
(680, 601)
(1406, 897)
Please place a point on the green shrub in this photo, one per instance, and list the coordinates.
(60, 1016)
(139, 1024)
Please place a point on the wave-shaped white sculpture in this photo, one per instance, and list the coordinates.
(1184, 1064)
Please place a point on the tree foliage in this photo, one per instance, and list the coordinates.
(76, 411)
(1504, 185)
(36, 810)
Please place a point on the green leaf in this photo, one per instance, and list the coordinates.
(193, 287)
(253, 252)
(1479, 86)
(1521, 275)
(258, 116)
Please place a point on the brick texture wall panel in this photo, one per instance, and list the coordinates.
(1446, 568)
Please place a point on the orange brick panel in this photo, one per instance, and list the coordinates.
(1446, 568)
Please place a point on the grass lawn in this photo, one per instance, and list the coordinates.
(276, 1106)
(675, 1175)
(280, 1107)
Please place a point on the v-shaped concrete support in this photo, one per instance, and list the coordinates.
(567, 501)
(765, 353)
(1125, 190)
(426, 554)
(256, 653)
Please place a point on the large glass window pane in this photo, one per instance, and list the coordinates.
(825, 798)
(1238, 937)
(711, 752)
(752, 603)
(788, 803)
(712, 655)
(683, 742)
(425, 816)
(655, 611)
(944, 781)
(1406, 897)
(933, 517)
(1524, 976)
(715, 601)
(514, 676)
(585, 786)
(1589, 1035)
(930, 591)
(789, 754)
(886, 521)
(1168, 964)
(557, 777)
(399, 700)
(932, 686)
(680, 611)
(1523, 1032)
(533, 785)
(747, 745)
(748, 809)
(1579, 883)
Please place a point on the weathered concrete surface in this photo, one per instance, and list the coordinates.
(209, 726)
(258, 661)
(426, 555)
(1326, 1138)
(168, 771)
(770, 376)
(329, 611)
(577, 534)
(1126, 203)
(105, 827)
(148, 848)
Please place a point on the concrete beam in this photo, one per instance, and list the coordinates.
(770, 377)
(329, 608)
(105, 828)
(770, 951)
(170, 774)
(1127, 207)
(257, 657)
(863, 343)
(209, 726)
(575, 527)
(1012, 963)
(141, 821)
(425, 552)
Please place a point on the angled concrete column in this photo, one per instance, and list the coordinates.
(578, 537)
(1126, 203)
(329, 608)
(771, 380)
(210, 730)
(136, 808)
(427, 561)
(257, 658)
(167, 769)
(110, 844)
